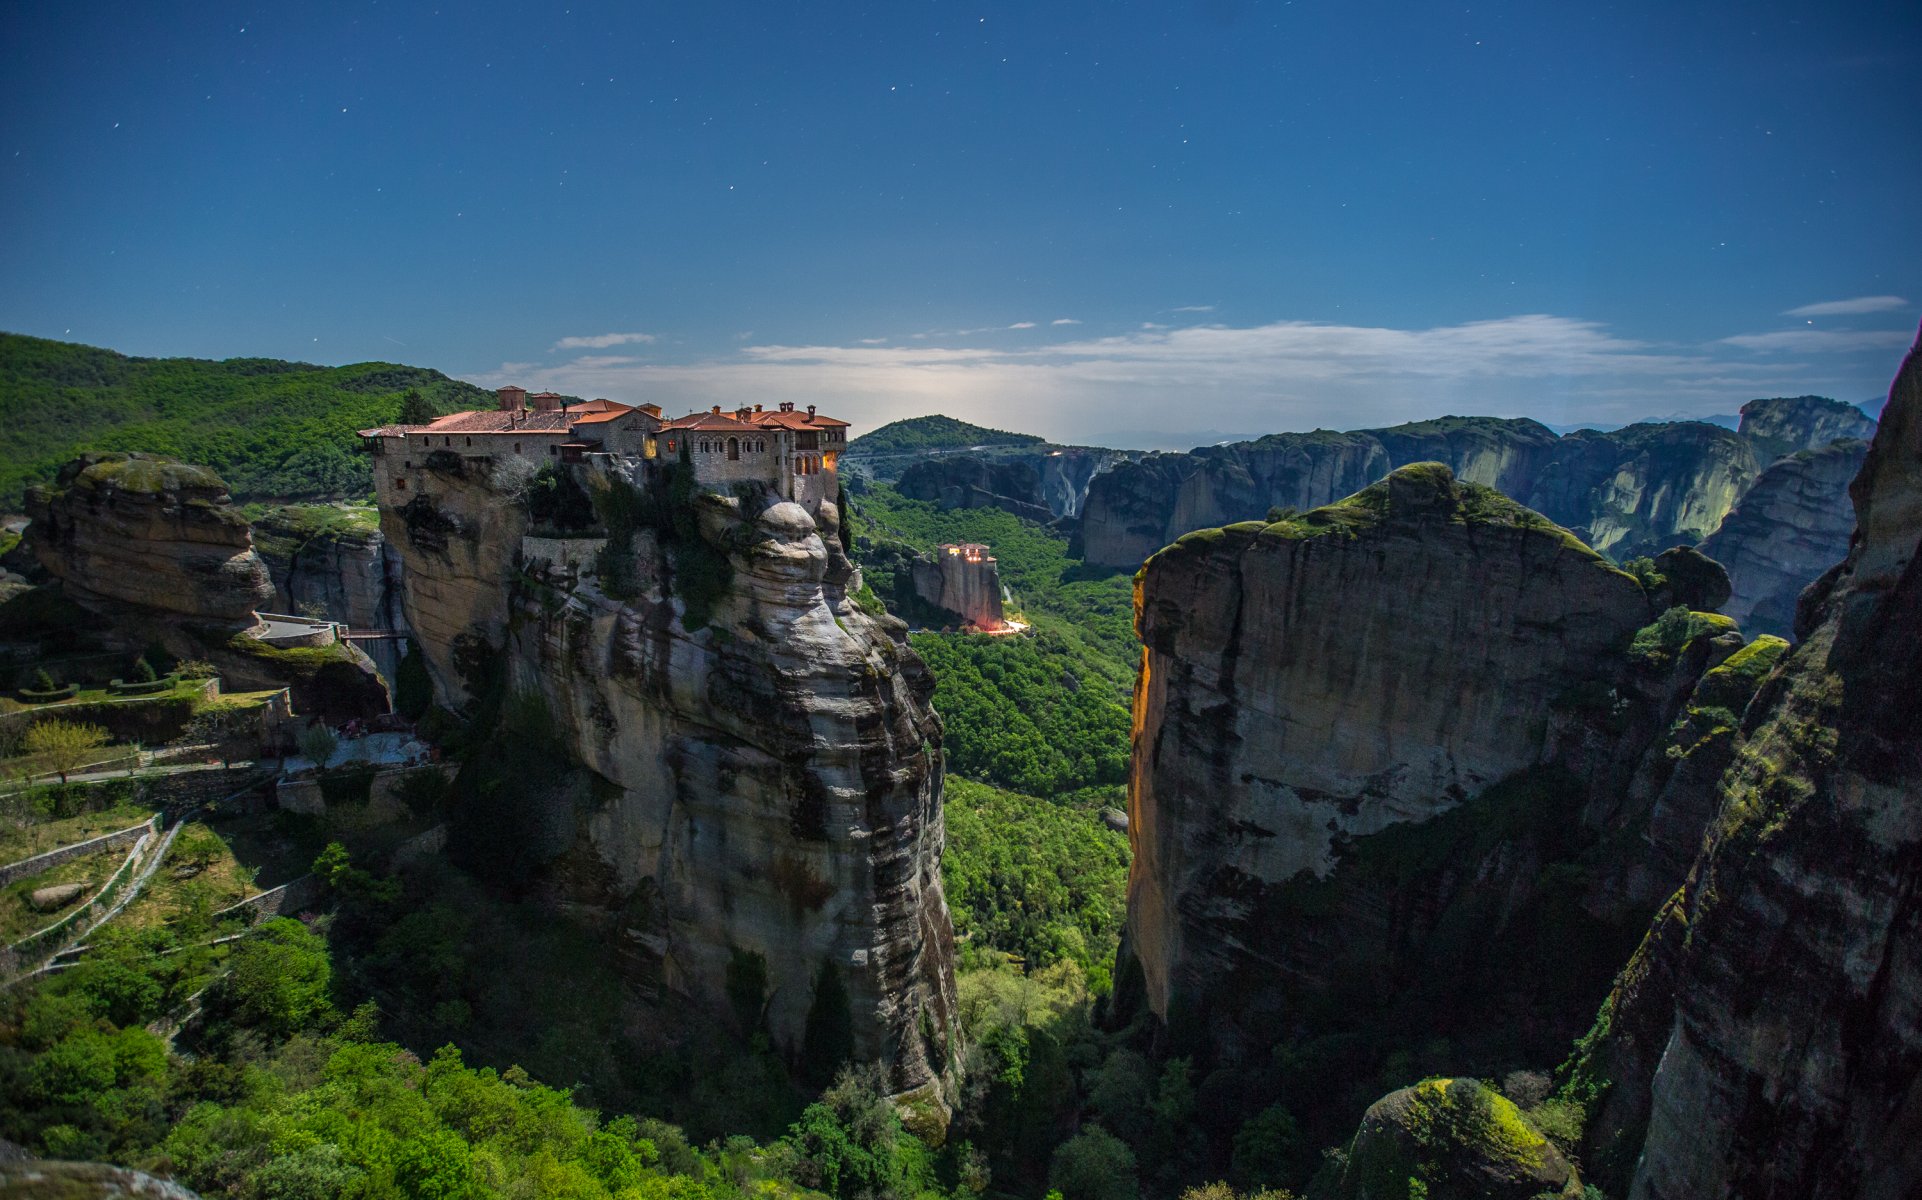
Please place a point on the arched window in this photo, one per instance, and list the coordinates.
(734, 449)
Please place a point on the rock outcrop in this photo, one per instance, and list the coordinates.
(709, 750)
(963, 580)
(1307, 685)
(1628, 492)
(1786, 424)
(1397, 766)
(148, 532)
(963, 481)
(1791, 525)
(336, 563)
(1137, 508)
(1766, 1040)
(1454, 1139)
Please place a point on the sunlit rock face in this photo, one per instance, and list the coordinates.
(760, 805)
(1309, 684)
(1791, 525)
(964, 580)
(146, 531)
(1769, 1036)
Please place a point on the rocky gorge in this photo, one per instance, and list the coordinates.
(701, 745)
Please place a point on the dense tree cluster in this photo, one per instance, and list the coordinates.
(271, 429)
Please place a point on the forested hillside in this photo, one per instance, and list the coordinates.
(919, 434)
(1043, 713)
(272, 429)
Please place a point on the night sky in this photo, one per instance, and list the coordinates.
(1120, 221)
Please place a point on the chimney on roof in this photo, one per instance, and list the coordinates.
(787, 406)
(810, 412)
(757, 408)
(716, 410)
(512, 399)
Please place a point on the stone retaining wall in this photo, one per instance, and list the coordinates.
(288, 898)
(107, 841)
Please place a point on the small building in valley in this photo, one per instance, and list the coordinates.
(963, 579)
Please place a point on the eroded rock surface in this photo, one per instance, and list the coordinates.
(760, 809)
(1785, 424)
(1790, 526)
(1311, 684)
(1628, 492)
(1766, 1041)
(323, 561)
(146, 531)
(963, 481)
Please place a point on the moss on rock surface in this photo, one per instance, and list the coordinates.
(1449, 1139)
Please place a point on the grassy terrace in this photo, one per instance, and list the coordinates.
(23, 836)
(200, 877)
(18, 918)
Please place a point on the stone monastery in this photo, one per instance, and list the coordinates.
(792, 452)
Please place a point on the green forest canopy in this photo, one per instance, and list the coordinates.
(271, 429)
(934, 433)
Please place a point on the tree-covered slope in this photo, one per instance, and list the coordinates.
(272, 429)
(919, 434)
(1045, 712)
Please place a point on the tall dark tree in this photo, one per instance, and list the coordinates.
(415, 408)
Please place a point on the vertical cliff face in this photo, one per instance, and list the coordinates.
(1319, 695)
(964, 580)
(1791, 525)
(151, 533)
(962, 481)
(1137, 508)
(329, 561)
(1629, 492)
(1786, 424)
(758, 824)
(1769, 1033)
(1644, 488)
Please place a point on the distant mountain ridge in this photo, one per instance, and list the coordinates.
(272, 429)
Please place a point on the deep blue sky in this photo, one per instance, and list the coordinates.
(1220, 215)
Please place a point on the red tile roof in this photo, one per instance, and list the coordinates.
(598, 416)
(795, 420)
(718, 422)
(495, 421)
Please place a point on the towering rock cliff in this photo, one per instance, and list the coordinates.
(1791, 525)
(1786, 424)
(1629, 492)
(963, 481)
(756, 813)
(1398, 767)
(1309, 684)
(151, 533)
(963, 580)
(1137, 508)
(1766, 1041)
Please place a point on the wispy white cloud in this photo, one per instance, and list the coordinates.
(874, 341)
(1064, 321)
(592, 362)
(601, 341)
(1193, 308)
(1022, 325)
(1820, 341)
(1849, 308)
(1282, 375)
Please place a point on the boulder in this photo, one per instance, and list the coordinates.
(48, 899)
